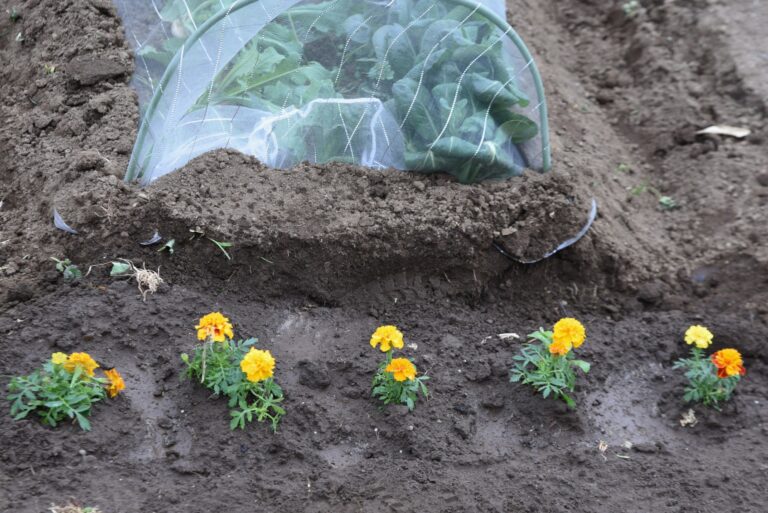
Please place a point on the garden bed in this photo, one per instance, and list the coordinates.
(322, 255)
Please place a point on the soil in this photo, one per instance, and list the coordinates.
(324, 254)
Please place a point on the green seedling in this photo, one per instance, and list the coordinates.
(637, 190)
(631, 8)
(197, 233)
(168, 246)
(222, 246)
(120, 269)
(667, 203)
(14, 15)
(69, 271)
(50, 69)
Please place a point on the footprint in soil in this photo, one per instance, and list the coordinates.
(162, 438)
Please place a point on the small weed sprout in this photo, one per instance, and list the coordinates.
(222, 246)
(631, 8)
(68, 270)
(637, 190)
(169, 246)
(667, 203)
(236, 370)
(396, 381)
(199, 233)
(711, 381)
(547, 362)
(50, 69)
(13, 14)
(66, 387)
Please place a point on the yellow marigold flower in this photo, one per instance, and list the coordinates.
(214, 326)
(258, 365)
(402, 369)
(58, 358)
(82, 360)
(560, 348)
(387, 337)
(569, 333)
(116, 383)
(698, 335)
(728, 363)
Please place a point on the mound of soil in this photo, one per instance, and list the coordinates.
(324, 254)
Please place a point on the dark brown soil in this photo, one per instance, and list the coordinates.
(324, 254)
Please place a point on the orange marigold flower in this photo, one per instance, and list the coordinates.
(116, 383)
(402, 369)
(698, 335)
(82, 360)
(559, 348)
(728, 363)
(214, 326)
(58, 358)
(257, 365)
(387, 337)
(569, 332)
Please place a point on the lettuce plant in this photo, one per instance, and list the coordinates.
(435, 78)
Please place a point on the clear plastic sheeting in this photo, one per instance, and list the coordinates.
(419, 85)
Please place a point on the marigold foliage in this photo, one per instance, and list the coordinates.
(215, 327)
(244, 375)
(258, 365)
(395, 381)
(82, 361)
(547, 363)
(65, 387)
(698, 335)
(711, 381)
(387, 337)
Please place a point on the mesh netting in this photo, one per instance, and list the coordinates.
(419, 85)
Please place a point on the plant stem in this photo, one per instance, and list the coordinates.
(205, 353)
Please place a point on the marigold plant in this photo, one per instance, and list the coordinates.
(396, 381)
(547, 361)
(65, 387)
(237, 370)
(711, 381)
